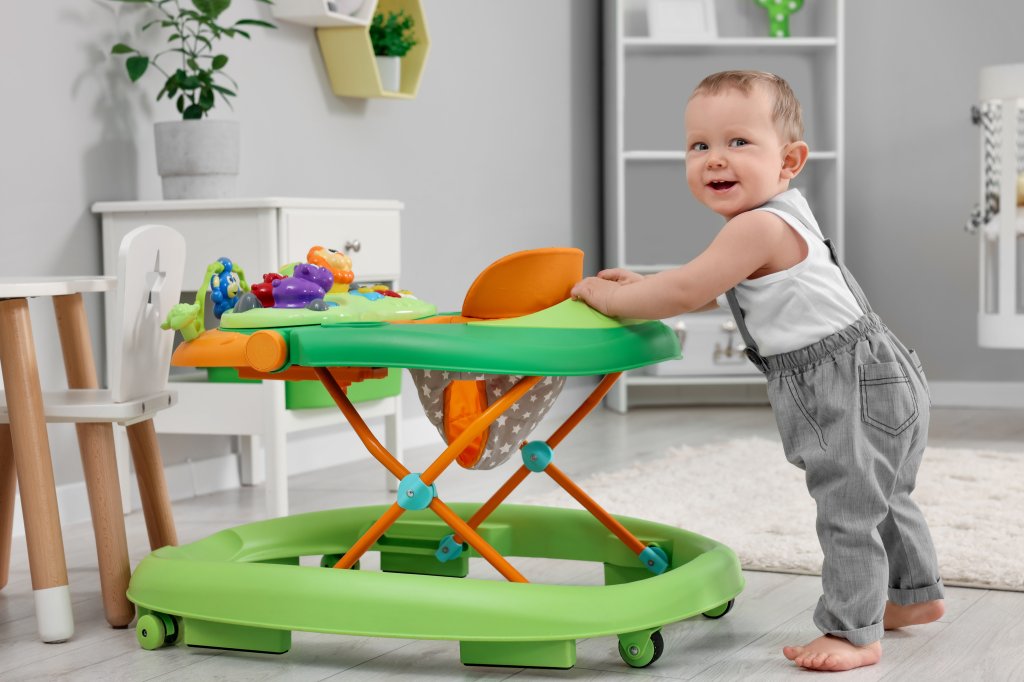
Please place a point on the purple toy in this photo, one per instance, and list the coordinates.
(307, 283)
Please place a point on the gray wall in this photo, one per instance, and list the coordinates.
(499, 152)
(912, 170)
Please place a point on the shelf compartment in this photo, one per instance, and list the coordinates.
(782, 44)
(665, 225)
(349, 59)
(676, 155)
(321, 13)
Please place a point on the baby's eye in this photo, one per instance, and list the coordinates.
(699, 147)
(737, 142)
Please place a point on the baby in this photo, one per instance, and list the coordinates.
(851, 401)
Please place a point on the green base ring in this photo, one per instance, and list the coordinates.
(214, 580)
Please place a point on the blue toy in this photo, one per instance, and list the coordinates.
(227, 282)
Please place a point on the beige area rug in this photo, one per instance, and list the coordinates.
(745, 494)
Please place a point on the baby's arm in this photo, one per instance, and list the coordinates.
(746, 244)
(710, 305)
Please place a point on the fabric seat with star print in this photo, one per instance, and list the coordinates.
(452, 400)
(518, 284)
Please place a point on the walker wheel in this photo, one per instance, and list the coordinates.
(151, 632)
(720, 610)
(635, 658)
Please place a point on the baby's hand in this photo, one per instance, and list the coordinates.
(620, 275)
(595, 292)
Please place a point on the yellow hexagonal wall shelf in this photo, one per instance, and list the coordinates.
(351, 66)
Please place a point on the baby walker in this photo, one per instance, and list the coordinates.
(485, 377)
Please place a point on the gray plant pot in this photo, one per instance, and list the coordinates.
(197, 159)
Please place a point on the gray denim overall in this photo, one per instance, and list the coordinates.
(852, 410)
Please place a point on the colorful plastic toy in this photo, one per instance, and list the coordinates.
(307, 283)
(338, 263)
(779, 12)
(227, 282)
(244, 588)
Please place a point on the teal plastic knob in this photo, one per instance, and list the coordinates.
(414, 494)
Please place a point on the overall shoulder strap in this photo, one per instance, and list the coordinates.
(751, 350)
(804, 220)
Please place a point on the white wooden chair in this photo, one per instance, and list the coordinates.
(150, 267)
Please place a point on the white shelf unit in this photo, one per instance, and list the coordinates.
(649, 212)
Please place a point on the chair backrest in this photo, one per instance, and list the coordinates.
(150, 267)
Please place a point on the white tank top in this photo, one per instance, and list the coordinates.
(793, 308)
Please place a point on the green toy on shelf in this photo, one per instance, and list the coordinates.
(779, 12)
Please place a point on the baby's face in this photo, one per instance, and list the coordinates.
(734, 153)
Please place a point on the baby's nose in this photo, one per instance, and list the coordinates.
(716, 160)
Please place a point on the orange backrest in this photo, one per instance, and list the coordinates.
(523, 283)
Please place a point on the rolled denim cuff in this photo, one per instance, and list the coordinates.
(905, 597)
(861, 636)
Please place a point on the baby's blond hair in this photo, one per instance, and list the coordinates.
(786, 113)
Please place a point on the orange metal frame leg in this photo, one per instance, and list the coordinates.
(559, 476)
(482, 422)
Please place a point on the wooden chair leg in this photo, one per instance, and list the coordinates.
(96, 445)
(149, 469)
(35, 473)
(8, 482)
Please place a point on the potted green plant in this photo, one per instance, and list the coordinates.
(196, 157)
(392, 37)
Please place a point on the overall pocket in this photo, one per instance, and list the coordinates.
(887, 397)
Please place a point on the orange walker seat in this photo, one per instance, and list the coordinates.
(518, 284)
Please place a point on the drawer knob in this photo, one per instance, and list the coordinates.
(729, 350)
(680, 329)
(353, 245)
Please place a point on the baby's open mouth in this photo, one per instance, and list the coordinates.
(721, 185)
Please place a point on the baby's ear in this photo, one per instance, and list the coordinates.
(794, 156)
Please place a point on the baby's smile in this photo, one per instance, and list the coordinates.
(721, 185)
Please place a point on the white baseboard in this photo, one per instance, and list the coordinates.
(191, 478)
(981, 394)
(184, 481)
(342, 445)
(188, 479)
(199, 477)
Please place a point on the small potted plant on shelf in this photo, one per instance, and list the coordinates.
(392, 38)
(196, 157)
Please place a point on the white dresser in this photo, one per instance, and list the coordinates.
(261, 234)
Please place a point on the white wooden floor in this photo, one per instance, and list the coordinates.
(980, 638)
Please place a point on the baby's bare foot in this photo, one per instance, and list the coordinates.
(833, 654)
(897, 616)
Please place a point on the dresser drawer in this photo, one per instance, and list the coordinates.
(373, 232)
(248, 237)
(710, 345)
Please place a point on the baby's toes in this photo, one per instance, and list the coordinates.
(817, 661)
(830, 663)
